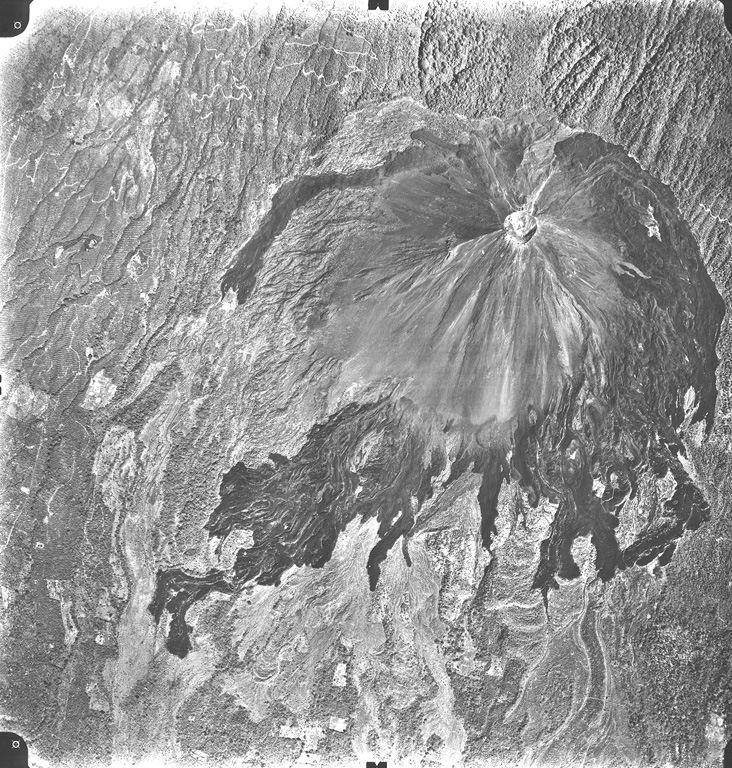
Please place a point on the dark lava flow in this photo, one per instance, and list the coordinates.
(541, 304)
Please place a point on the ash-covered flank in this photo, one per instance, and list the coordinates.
(543, 313)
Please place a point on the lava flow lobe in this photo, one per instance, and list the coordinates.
(543, 313)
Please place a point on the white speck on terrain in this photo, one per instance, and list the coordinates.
(339, 676)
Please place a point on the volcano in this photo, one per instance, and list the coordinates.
(529, 305)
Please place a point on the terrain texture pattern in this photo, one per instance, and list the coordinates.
(176, 381)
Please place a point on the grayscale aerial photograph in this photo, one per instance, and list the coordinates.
(366, 384)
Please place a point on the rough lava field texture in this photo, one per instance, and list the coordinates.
(366, 386)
